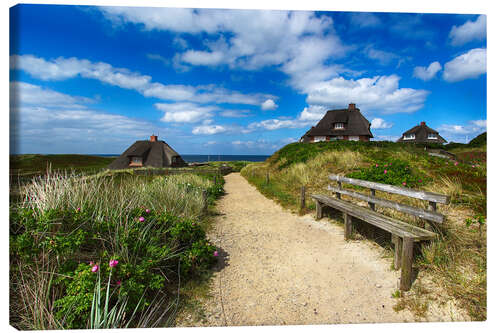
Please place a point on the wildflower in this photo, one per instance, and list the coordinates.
(456, 163)
(385, 165)
(91, 263)
(385, 171)
(113, 263)
(141, 219)
(376, 165)
(95, 268)
(118, 283)
(390, 164)
(148, 211)
(78, 210)
(216, 254)
(473, 166)
(420, 180)
(404, 183)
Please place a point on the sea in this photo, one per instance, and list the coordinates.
(210, 158)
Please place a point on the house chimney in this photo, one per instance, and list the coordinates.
(422, 123)
(352, 106)
(153, 138)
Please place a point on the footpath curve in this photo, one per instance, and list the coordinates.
(278, 268)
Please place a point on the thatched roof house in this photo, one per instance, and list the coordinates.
(341, 124)
(421, 134)
(152, 153)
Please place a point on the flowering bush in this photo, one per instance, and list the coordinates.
(394, 172)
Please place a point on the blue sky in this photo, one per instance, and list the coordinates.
(210, 81)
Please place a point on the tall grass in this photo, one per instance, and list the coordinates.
(457, 260)
(108, 205)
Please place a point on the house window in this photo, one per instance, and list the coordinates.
(409, 137)
(432, 136)
(353, 138)
(319, 138)
(338, 126)
(136, 161)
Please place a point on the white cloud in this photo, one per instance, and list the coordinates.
(268, 105)
(185, 112)
(235, 113)
(298, 42)
(365, 20)
(383, 57)
(428, 73)
(469, 31)
(479, 123)
(380, 93)
(158, 57)
(274, 124)
(22, 93)
(312, 113)
(462, 133)
(379, 123)
(466, 66)
(209, 129)
(65, 68)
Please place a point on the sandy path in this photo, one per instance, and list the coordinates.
(280, 268)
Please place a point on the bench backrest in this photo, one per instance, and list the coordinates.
(430, 214)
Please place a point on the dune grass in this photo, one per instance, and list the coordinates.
(66, 224)
(457, 260)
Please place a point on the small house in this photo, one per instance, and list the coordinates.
(421, 134)
(148, 153)
(341, 124)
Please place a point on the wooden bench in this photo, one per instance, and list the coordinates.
(404, 235)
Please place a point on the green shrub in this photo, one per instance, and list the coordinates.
(393, 172)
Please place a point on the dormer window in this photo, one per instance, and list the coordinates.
(409, 137)
(432, 136)
(135, 161)
(338, 126)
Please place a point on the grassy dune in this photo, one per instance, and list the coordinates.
(456, 262)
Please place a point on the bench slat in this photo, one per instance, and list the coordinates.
(423, 195)
(419, 212)
(389, 224)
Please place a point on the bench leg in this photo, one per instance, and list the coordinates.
(407, 261)
(347, 226)
(398, 244)
(319, 210)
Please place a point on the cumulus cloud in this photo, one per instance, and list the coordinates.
(209, 129)
(466, 66)
(185, 112)
(65, 68)
(427, 73)
(297, 42)
(469, 31)
(274, 124)
(379, 93)
(379, 123)
(312, 113)
(268, 105)
(235, 113)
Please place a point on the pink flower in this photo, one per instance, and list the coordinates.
(216, 254)
(91, 263)
(148, 211)
(118, 283)
(385, 165)
(420, 180)
(385, 171)
(390, 163)
(404, 183)
(78, 209)
(95, 268)
(113, 263)
(456, 163)
(376, 165)
(141, 219)
(473, 166)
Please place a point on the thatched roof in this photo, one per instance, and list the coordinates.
(421, 134)
(354, 123)
(154, 153)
